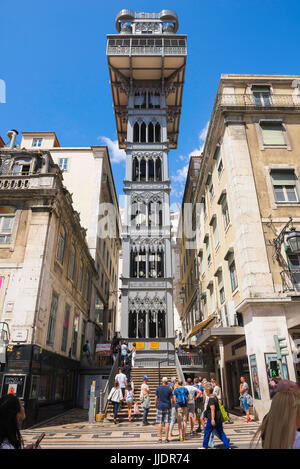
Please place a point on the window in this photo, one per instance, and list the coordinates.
(52, 319)
(72, 262)
(262, 95)
(208, 253)
(218, 157)
(215, 231)
(7, 219)
(37, 142)
(87, 286)
(61, 245)
(221, 287)
(273, 133)
(63, 163)
(75, 333)
(233, 276)
(80, 276)
(225, 213)
(211, 190)
(65, 328)
(284, 185)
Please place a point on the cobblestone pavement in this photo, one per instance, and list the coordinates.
(71, 430)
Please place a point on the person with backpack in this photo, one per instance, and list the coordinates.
(116, 397)
(194, 393)
(214, 420)
(181, 395)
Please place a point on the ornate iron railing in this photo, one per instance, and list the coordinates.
(249, 100)
(290, 280)
(146, 50)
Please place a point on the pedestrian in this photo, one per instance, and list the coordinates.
(214, 420)
(280, 428)
(194, 393)
(145, 399)
(163, 404)
(12, 414)
(124, 352)
(114, 347)
(130, 399)
(122, 380)
(173, 386)
(133, 354)
(127, 370)
(217, 389)
(244, 398)
(199, 406)
(181, 402)
(116, 397)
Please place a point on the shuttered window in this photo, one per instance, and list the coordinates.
(273, 133)
(284, 184)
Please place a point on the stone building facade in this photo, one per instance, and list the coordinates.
(47, 276)
(247, 190)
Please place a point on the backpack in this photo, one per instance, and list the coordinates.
(181, 396)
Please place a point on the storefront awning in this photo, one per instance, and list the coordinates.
(226, 334)
(201, 325)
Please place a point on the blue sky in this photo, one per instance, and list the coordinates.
(54, 65)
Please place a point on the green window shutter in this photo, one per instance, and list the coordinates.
(272, 133)
(283, 178)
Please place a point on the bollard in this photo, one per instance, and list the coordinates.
(92, 405)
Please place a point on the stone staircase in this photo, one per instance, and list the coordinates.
(153, 382)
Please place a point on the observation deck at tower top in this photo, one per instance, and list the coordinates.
(147, 52)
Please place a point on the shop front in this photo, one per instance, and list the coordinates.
(45, 381)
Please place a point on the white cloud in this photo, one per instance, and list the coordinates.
(202, 138)
(116, 155)
(181, 174)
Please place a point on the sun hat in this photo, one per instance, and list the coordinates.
(165, 379)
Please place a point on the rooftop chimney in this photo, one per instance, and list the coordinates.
(12, 135)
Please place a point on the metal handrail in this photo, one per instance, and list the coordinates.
(289, 281)
(110, 382)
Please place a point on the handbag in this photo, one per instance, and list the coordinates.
(136, 410)
(223, 412)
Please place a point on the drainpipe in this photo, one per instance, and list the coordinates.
(12, 135)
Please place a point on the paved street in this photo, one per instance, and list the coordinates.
(71, 430)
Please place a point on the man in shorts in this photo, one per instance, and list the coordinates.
(194, 393)
(163, 404)
(181, 401)
(199, 406)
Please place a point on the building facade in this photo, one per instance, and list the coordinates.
(47, 274)
(88, 176)
(247, 190)
(146, 62)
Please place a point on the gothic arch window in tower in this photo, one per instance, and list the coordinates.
(132, 325)
(157, 132)
(152, 324)
(158, 173)
(136, 133)
(135, 169)
(141, 324)
(143, 133)
(150, 170)
(143, 170)
(161, 319)
(150, 133)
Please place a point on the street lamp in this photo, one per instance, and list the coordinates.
(292, 239)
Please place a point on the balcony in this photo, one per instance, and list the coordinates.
(28, 181)
(251, 101)
(290, 280)
(146, 50)
(201, 362)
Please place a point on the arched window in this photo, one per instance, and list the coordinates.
(158, 169)
(161, 319)
(132, 325)
(143, 133)
(150, 133)
(72, 262)
(142, 264)
(157, 132)
(135, 169)
(160, 265)
(136, 133)
(141, 324)
(61, 245)
(152, 324)
(150, 170)
(143, 170)
(133, 264)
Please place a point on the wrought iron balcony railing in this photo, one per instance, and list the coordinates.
(290, 280)
(249, 100)
(146, 50)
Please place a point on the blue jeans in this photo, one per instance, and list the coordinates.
(145, 415)
(218, 431)
(245, 404)
(116, 408)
